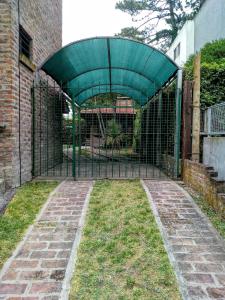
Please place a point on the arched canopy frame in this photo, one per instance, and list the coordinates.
(110, 64)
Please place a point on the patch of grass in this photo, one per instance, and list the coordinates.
(216, 219)
(20, 213)
(121, 255)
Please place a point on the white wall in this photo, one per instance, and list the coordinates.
(207, 26)
(214, 154)
(209, 23)
(186, 39)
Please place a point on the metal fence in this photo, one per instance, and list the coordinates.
(214, 120)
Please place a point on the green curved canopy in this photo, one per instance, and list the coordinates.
(110, 64)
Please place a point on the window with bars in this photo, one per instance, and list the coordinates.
(25, 43)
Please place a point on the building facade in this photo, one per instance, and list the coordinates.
(207, 26)
(29, 32)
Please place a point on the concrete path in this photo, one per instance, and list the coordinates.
(42, 265)
(195, 248)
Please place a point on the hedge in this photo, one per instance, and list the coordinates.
(212, 73)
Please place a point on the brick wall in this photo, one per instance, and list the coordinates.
(204, 180)
(43, 22)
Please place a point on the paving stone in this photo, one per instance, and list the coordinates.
(216, 293)
(199, 278)
(38, 269)
(208, 267)
(34, 275)
(45, 287)
(12, 289)
(59, 263)
(198, 250)
(196, 292)
(221, 279)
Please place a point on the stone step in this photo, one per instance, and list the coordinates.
(209, 168)
(212, 173)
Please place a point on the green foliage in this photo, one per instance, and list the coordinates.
(121, 255)
(102, 99)
(114, 135)
(80, 126)
(160, 20)
(133, 33)
(212, 73)
(137, 131)
(20, 213)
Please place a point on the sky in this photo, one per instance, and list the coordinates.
(90, 18)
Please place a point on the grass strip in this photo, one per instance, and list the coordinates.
(215, 218)
(20, 213)
(121, 255)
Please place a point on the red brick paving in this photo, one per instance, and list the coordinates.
(37, 269)
(196, 249)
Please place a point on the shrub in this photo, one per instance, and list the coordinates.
(212, 73)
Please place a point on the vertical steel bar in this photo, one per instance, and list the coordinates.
(40, 133)
(33, 129)
(47, 104)
(159, 130)
(79, 142)
(74, 140)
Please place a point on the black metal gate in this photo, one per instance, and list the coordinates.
(109, 136)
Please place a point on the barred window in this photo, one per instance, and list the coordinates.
(25, 43)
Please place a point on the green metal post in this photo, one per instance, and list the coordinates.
(79, 140)
(33, 128)
(74, 141)
(159, 130)
(178, 123)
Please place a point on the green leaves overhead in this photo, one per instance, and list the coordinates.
(159, 20)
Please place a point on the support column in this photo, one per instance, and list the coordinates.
(178, 124)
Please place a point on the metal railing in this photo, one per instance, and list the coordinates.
(214, 120)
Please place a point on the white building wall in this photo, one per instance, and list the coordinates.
(209, 23)
(207, 26)
(186, 40)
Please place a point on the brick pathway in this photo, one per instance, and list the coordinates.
(194, 247)
(41, 265)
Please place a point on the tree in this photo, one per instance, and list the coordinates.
(133, 33)
(160, 19)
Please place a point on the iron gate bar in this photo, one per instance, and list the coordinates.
(110, 66)
(33, 128)
(74, 141)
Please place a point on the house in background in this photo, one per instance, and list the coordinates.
(207, 26)
(29, 32)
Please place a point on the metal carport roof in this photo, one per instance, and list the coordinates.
(99, 65)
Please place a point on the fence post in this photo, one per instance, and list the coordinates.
(186, 119)
(74, 140)
(178, 123)
(33, 128)
(196, 110)
(159, 131)
(209, 120)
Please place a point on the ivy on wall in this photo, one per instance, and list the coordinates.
(212, 73)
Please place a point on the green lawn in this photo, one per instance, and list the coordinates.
(121, 255)
(20, 213)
